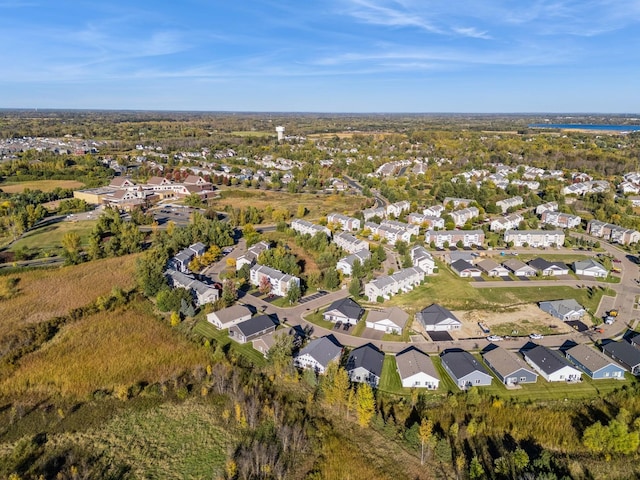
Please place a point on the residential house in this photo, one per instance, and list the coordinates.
(422, 259)
(436, 318)
(465, 370)
(345, 264)
(551, 365)
(546, 207)
(364, 365)
(519, 268)
(389, 232)
(318, 354)
(635, 340)
(455, 255)
(264, 343)
(346, 223)
(255, 327)
(465, 269)
(345, 310)
(227, 317)
(280, 282)
(369, 213)
(181, 260)
(398, 208)
(307, 228)
(566, 310)
(509, 222)
(460, 217)
(434, 211)
(547, 268)
(534, 238)
(508, 203)
(625, 354)
(403, 280)
(412, 229)
(425, 220)
(492, 268)
(561, 220)
(456, 202)
(416, 369)
(389, 320)
(440, 238)
(349, 243)
(509, 367)
(590, 268)
(251, 256)
(202, 292)
(594, 363)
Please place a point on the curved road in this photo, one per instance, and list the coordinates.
(627, 290)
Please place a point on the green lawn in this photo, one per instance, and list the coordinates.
(48, 239)
(390, 380)
(317, 319)
(208, 331)
(358, 330)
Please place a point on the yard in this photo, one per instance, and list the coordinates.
(206, 330)
(47, 240)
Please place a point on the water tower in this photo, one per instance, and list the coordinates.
(280, 131)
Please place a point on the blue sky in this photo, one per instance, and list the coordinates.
(324, 56)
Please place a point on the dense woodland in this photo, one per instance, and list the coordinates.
(216, 412)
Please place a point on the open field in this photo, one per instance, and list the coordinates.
(318, 205)
(44, 294)
(49, 238)
(103, 352)
(43, 185)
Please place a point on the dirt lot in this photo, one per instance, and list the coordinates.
(522, 320)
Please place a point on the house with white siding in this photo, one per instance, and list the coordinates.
(452, 237)
(318, 354)
(416, 369)
(546, 207)
(280, 282)
(386, 286)
(560, 220)
(508, 203)
(422, 259)
(425, 220)
(369, 213)
(251, 256)
(345, 264)
(434, 211)
(460, 217)
(506, 223)
(349, 243)
(398, 208)
(346, 223)
(436, 318)
(551, 365)
(307, 228)
(389, 320)
(534, 238)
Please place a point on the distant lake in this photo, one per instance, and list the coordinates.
(577, 126)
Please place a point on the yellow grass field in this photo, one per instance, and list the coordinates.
(318, 205)
(44, 185)
(104, 351)
(44, 294)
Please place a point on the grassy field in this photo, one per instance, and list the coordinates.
(456, 293)
(48, 239)
(44, 185)
(208, 331)
(103, 352)
(44, 294)
(318, 320)
(318, 205)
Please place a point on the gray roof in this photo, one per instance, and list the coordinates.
(231, 313)
(564, 306)
(591, 358)
(542, 264)
(256, 324)
(348, 307)
(412, 361)
(322, 350)
(505, 362)
(514, 264)
(462, 363)
(487, 264)
(623, 351)
(367, 357)
(434, 314)
(547, 360)
(458, 255)
(460, 265)
(588, 264)
(361, 256)
(395, 314)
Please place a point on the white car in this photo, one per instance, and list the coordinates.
(535, 336)
(494, 338)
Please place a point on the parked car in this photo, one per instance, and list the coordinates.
(535, 336)
(338, 325)
(494, 338)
